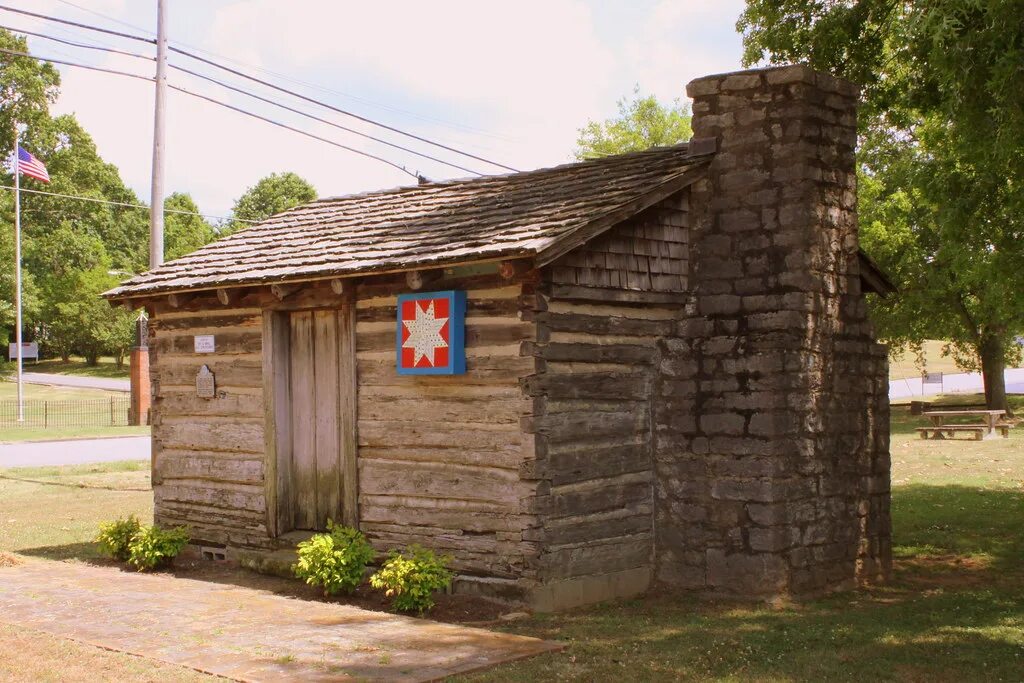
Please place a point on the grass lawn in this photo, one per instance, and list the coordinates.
(43, 392)
(954, 612)
(934, 361)
(106, 367)
(39, 392)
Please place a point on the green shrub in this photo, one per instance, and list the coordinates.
(336, 560)
(153, 547)
(410, 578)
(116, 537)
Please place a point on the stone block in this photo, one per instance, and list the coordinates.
(746, 574)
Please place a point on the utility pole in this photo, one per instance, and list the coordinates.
(156, 198)
(17, 271)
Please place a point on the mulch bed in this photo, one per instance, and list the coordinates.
(451, 609)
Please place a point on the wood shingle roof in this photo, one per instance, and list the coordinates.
(540, 214)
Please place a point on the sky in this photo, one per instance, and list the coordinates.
(510, 82)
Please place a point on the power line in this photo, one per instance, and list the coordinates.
(254, 96)
(242, 74)
(217, 102)
(319, 119)
(129, 205)
(81, 66)
(74, 44)
(78, 25)
(294, 130)
(298, 81)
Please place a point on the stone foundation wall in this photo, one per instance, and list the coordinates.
(771, 418)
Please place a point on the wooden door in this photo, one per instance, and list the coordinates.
(315, 449)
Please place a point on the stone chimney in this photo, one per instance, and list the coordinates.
(772, 451)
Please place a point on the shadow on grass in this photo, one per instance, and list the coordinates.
(82, 552)
(966, 521)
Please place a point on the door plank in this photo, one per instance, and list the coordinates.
(347, 407)
(303, 421)
(277, 418)
(328, 464)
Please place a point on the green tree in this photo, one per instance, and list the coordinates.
(643, 122)
(184, 233)
(276, 193)
(941, 172)
(27, 89)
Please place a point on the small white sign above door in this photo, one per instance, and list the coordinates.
(204, 343)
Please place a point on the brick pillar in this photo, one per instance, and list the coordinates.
(772, 465)
(139, 376)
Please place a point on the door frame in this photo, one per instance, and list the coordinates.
(277, 412)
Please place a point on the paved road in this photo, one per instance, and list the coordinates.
(74, 451)
(959, 383)
(77, 381)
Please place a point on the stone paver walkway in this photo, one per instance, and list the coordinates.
(242, 633)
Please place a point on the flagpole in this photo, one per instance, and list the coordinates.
(17, 270)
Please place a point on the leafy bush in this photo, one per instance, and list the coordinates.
(336, 560)
(115, 537)
(410, 578)
(152, 547)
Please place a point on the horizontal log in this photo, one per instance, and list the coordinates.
(229, 372)
(207, 466)
(476, 335)
(416, 504)
(467, 410)
(613, 310)
(428, 480)
(508, 458)
(590, 353)
(188, 404)
(484, 392)
(370, 295)
(597, 385)
(606, 294)
(238, 340)
(584, 530)
(569, 426)
(595, 463)
(207, 324)
(443, 519)
(222, 495)
(622, 492)
(209, 434)
(605, 324)
(473, 436)
(598, 558)
(480, 370)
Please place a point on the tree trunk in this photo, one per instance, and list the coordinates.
(993, 364)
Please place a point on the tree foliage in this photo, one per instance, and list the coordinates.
(643, 122)
(72, 250)
(941, 169)
(271, 195)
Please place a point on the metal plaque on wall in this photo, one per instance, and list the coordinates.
(206, 385)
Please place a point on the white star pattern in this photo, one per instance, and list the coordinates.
(424, 334)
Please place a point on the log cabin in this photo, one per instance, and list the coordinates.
(655, 367)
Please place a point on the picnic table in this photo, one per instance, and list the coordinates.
(988, 429)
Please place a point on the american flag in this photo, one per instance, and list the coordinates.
(32, 167)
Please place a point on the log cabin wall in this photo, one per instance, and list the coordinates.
(440, 456)
(598, 356)
(208, 455)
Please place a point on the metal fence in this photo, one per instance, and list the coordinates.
(112, 412)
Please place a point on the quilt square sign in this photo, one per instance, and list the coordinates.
(431, 334)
